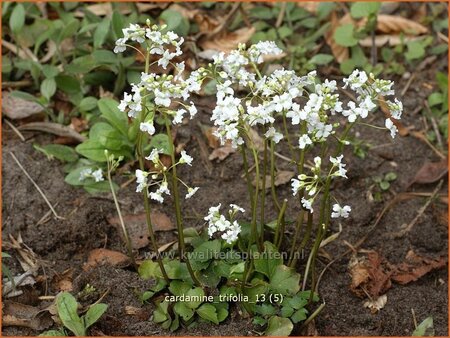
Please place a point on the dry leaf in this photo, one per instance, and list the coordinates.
(16, 108)
(137, 226)
(376, 304)
(391, 40)
(256, 141)
(389, 24)
(105, 9)
(17, 314)
(341, 53)
(53, 128)
(63, 282)
(431, 172)
(283, 177)
(310, 6)
(105, 256)
(417, 267)
(213, 141)
(221, 153)
(227, 41)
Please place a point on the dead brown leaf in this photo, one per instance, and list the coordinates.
(376, 304)
(341, 53)
(415, 267)
(227, 41)
(63, 282)
(385, 39)
(221, 153)
(53, 128)
(137, 226)
(255, 141)
(431, 172)
(16, 108)
(283, 177)
(390, 24)
(17, 314)
(106, 257)
(310, 6)
(213, 141)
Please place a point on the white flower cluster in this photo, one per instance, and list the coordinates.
(166, 91)
(97, 175)
(313, 184)
(339, 211)
(279, 93)
(217, 223)
(368, 89)
(159, 176)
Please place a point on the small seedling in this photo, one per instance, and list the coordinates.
(67, 308)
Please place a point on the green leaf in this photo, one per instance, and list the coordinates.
(286, 311)
(17, 18)
(390, 176)
(59, 151)
(426, 328)
(222, 311)
(161, 142)
(109, 137)
(266, 262)
(285, 280)
(344, 35)
(67, 306)
(284, 32)
(73, 178)
(384, 185)
(364, 9)
(53, 333)
(48, 88)
(101, 32)
(88, 103)
(208, 312)
(94, 313)
(93, 150)
(185, 312)
(149, 269)
(110, 111)
(299, 315)
(321, 59)
(206, 251)
(117, 24)
(175, 21)
(415, 50)
(265, 309)
(435, 99)
(179, 288)
(69, 30)
(50, 71)
(100, 187)
(196, 293)
(161, 313)
(279, 326)
(68, 84)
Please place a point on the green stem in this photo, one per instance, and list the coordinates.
(263, 190)
(176, 199)
(254, 230)
(288, 138)
(247, 174)
(119, 213)
(272, 175)
(140, 155)
(279, 232)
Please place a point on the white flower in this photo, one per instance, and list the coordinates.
(307, 204)
(273, 135)
(147, 127)
(236, 208)
(154, 155)
(356, 79)
(85, 173)
(231, 235)
(392, 127)
(98, 175)
(396, 108)
(120, 45)
(303, 141)
(339, 211)
(337, 162)
(162, 98)
(127, 99)
(317, 162)
(156, 196)
(185, 158)
(141, 180)
(178, 118)
(191, 192)
(296, 185)
(192, 109)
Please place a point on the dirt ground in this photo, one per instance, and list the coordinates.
(65, 244)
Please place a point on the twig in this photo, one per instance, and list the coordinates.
(54, 128)
(414, 318)
(281, 14)
(15, 130)
(16, 84)
(421, 211)
(434, 124)
(408, 84)
(44, 218)
(36, 186)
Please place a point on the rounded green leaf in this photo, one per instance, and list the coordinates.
(48, 88)
(364, 9)
(208, 312)
(279, 326)
(344, 35)
(17, 18)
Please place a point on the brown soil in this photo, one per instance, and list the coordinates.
(64, 244)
